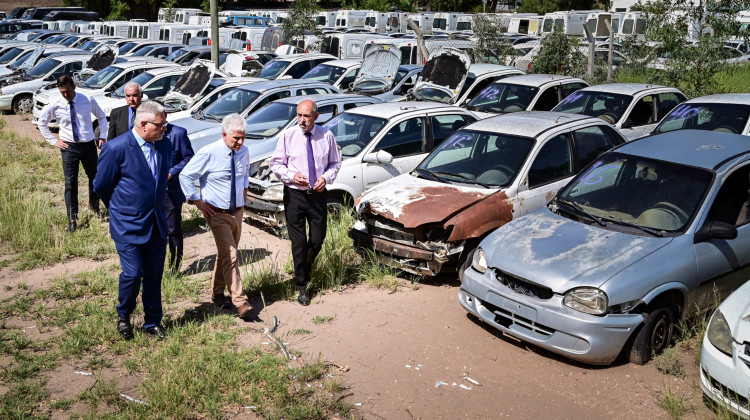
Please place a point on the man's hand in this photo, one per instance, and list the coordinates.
(320, 184)
(300, 179)
(61, 144)
(100, 142)
(205, 208)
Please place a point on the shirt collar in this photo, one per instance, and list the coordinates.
(312, 132)
(138, 138)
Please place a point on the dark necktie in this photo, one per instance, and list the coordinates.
(232, 185)
(132, 119)
(73, 121)
(310, 160)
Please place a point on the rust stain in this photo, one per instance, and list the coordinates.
(435, 204)
(482, 217)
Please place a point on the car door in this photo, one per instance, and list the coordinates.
(550, 169)
(641, 117)
(405, 139)
(724, 265)
(547, 98)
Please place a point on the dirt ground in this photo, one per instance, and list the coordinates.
(410, 354)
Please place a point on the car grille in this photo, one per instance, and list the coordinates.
(727, 392)
(523, 287)
(507, 318)
(38, 105)
(384, 228)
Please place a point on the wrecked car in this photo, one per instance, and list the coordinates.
(483, 176)
(383, 76)
(648, 235)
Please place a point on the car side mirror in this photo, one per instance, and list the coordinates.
(715, 230)
(49, 79)
(381, 156)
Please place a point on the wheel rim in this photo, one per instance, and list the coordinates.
(660, 334)
(24, 106)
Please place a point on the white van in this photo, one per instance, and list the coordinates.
(351, 18)
(138, 29)
(633, 25)
(422, 20)
(570, 23)
(525, 25)
(597, 24)
(326, 19)
(115, 28)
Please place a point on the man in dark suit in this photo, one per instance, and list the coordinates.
(131, 179)
(121, 119)
(182, 152)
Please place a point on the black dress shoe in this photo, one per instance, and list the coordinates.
(303, 298)
(124, 328)
(158, 331)
(71, 227)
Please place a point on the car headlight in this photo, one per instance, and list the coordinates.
(479, 261)
(587, 299)
(274, 193)
(718, 333)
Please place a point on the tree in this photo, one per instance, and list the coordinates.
(118, 9)
(301, 20)
(691, 44)
(491, 45)
(170, 13)
(541, 7)
(560, 54)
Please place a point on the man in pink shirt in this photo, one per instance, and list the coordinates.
(306, 159)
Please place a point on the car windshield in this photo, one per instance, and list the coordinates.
(43, 68)
(10, 55)
(145, 50)
(102, 78)
(370, 86)
(142, 79)
(90, 45)
(235, 101)
(503, 98)
(608, 106)
(273, 69)
(269, 120)
(176, 54)
(125, 48)
(21, 60)
(187, 57)
(325, 73)
(479, 157)
(70, 41)
(729, 118)
(632, 191)
(353, 132)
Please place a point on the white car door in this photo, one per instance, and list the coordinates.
(405, 140)
(550, 169)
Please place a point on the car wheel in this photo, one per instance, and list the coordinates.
(23, 104)
(466, 264)
(653, 336)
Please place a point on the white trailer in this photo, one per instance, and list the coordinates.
(525, 25)
(377, 21)
(597, 24)
(569, 23)
(446, 21)
(176, 14)
(422, 20)
(326, 19)
(138, 28)
(173, 32)
(465, 23)
(116, 28)
(633, 24)
(348, 19)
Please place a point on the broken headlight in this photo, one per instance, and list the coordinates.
(719, 335)
(587, 299)
(479, 261)
(274, 193)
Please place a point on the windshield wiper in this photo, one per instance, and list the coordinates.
(431, 175)
(464, 178)
(577, 207)
(211, 116)
(619, 221)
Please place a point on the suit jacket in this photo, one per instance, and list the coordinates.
(124, 182)
(182, 152)
(119, 123)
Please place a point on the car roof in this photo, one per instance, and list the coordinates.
(272, 84)
(305, 56)
(527, 123)
(134, 63)
(535, 79)
(699, 148)
(723, 98)
(73, 57)
(160, 70)
(346, 62)
(625, 88)
(321, 97)
(479, 69)
(391, 109)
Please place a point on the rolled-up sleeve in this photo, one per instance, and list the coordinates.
(334, 159)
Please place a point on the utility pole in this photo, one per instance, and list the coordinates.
(215, 32)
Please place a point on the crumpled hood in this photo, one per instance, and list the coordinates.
(561, 253)
(736, 310)
(414, 201)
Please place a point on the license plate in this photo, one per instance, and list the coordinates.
(512, 306)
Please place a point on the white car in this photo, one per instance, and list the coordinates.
(338, 73)
(725, 356)
(154, 83)
(728, 112)
(183, 100)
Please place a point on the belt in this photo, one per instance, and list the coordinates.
(224, 211)
(308, 191)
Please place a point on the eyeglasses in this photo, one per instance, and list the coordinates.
(162, 125)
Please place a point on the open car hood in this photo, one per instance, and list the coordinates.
(443, 76)
(104, 57)
(191, 84)
(378, 69)
(30, 61)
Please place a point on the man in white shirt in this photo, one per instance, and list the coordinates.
(76, 141)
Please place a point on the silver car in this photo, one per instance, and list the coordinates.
(645, 236)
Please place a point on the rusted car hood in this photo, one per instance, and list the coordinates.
(561, 253)
(414, 201)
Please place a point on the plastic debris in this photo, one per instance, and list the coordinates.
(84, 373)
(408, 366)
(438, 384)
(265, 343)
(250, 407)
(131, 399)
(358, 404)
(471, 380)
(468, 388)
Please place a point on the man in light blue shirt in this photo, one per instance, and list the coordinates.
(221, 169)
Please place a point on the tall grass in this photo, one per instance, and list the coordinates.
(335, 265)
(735, 80)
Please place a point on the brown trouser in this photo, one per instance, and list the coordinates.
(227, 229)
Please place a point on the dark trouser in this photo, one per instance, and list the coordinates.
(85, 154)
(174, 232)
(142, 264)
(305, 210)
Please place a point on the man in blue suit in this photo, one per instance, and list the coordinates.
(131, 179)
(182, 152)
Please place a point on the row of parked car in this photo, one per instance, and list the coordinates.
(588, 220)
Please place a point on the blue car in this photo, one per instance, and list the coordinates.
(649, 233)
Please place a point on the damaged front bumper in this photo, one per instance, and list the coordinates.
(265, 202)
(424, 258)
